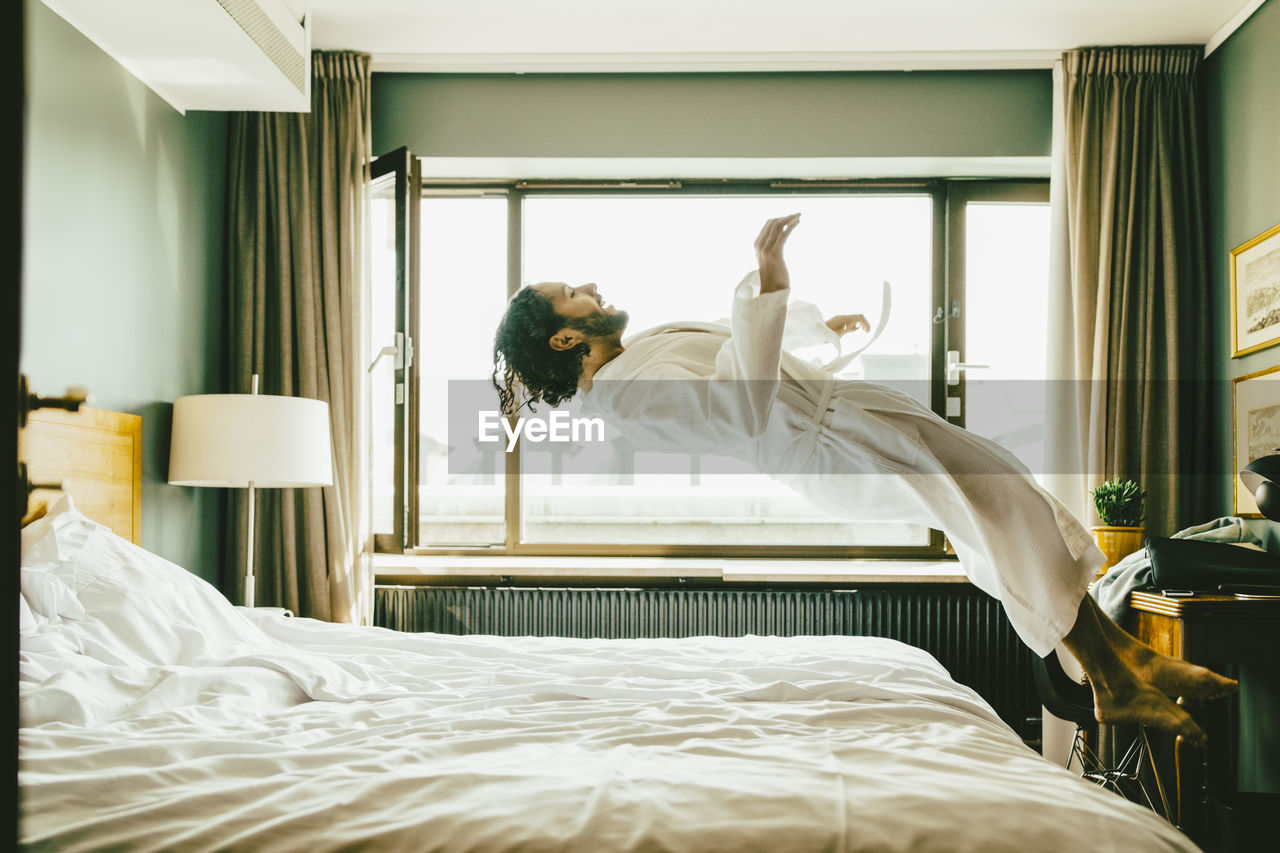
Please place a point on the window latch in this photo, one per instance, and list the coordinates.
(939, 317)
(402, 350)
(382, 353)
(955, 365)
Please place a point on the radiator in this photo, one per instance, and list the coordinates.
(959, 625)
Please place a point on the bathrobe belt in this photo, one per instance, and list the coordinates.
(807, 441)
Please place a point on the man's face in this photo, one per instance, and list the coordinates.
(583, 309)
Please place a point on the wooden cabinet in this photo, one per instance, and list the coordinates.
(1216, 631)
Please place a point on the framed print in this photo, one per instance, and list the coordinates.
(1256, 406)
(1255, 293)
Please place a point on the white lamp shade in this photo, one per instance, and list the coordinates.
(233, 440)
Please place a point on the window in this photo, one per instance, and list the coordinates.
(679, 256)
(663, 252)
(1004, 283)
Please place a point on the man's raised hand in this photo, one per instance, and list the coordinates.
(842, 324)
(773, 269)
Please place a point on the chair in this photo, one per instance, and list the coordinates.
(1071, 700)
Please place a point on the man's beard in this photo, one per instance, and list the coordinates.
(600, 325)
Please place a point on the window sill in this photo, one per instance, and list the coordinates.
(426, 569)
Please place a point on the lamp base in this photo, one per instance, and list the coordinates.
(248, 563)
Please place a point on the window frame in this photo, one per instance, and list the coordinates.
(402, 169)
(948, 197)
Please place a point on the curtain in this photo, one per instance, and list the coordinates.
(295, 209)
(1064, 472)
(1134, 155)
(1064, 468)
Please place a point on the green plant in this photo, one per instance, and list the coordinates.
(1119, 503)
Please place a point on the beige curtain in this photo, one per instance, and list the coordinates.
(1135, 199)
(1064, 469)
(295, 208)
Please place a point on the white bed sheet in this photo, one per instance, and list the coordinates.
(155, 716)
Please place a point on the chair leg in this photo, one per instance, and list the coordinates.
(1091, 764)
(1126, 775)
(1155, 774)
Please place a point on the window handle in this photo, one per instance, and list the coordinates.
(401, 350)
(955, 365)
(385, 351)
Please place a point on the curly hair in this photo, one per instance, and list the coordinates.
(523, 358)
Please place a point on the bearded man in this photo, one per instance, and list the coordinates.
(859, 450)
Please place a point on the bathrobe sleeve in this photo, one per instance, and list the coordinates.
(805, 326)
(673, 399)
(757, 325)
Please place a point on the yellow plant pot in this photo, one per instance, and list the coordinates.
(1117, 543)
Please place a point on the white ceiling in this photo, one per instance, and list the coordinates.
(743, 35)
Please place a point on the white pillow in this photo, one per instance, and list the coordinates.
(47, 579)
(135, 607)
(48, 595)
(56, 537)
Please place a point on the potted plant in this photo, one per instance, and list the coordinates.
(1119, 504)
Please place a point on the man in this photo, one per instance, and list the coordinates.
(858, 449)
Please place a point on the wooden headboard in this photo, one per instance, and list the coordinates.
(96, 455)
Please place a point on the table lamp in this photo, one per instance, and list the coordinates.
(252, 441)
(1262, 478)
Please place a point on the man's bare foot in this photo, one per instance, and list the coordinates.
(1177, 677)
(1144, 704)
(1132, 683)
(1174, 677)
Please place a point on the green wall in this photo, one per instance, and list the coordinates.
(123, 259)
(898, 114)
(1243, 100)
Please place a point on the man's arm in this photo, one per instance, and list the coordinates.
(676, 405)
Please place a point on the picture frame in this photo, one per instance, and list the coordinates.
(1255, 293)
(1255, 406)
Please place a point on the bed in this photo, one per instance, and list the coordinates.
(154, 715)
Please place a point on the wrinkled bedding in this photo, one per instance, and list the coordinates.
(156, 716)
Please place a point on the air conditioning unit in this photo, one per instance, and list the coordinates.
(206, 54)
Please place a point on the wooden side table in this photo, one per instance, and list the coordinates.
(1211, 630)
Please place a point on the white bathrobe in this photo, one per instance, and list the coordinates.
(858, 450)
